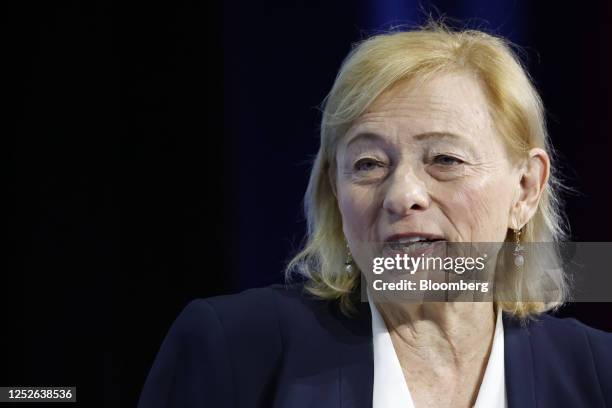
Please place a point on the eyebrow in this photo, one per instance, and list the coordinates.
(439, 135)
(370, 135)
(367, 135)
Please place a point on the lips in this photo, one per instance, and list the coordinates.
(411, 244)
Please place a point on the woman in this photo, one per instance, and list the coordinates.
(428, 137)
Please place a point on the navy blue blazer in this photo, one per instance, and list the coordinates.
(278, 347)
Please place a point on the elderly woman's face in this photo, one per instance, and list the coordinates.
(425, 161)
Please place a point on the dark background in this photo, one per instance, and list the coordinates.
(160, 152)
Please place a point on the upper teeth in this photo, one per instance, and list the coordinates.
(411, 239)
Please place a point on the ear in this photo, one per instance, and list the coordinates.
(534, 175)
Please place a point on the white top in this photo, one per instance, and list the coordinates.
(390, 389)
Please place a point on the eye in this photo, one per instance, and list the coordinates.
(367, 164)
(446, 160)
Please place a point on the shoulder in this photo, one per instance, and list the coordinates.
(224, 348)
(277, 314)
(269, 319)
(565, 335)
(255, 303)
(567, 330)
(566, 348)
(574, 337)
(254, 312)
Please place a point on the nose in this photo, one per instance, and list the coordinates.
(406, 194)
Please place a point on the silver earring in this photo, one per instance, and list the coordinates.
(519, 258)
(348, 262)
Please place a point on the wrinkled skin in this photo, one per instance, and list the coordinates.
(429, 159)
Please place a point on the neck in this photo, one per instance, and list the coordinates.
(456, 332)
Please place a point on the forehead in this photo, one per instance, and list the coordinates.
(445, 103)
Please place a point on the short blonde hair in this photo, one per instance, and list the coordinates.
(375, 65)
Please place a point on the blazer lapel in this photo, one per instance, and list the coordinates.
(357, 362)
(518, 361)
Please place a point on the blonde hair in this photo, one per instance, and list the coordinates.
(375, 65)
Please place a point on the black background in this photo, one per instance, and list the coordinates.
(160, 153)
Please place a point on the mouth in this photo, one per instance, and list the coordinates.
(412, 245)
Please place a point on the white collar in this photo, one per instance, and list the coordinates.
(390, 389)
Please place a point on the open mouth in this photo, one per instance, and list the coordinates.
(411, 246)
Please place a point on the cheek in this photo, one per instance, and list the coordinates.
(358, 209)
(479, 210)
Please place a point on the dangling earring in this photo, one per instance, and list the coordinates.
(519, 258)
(348, 262)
